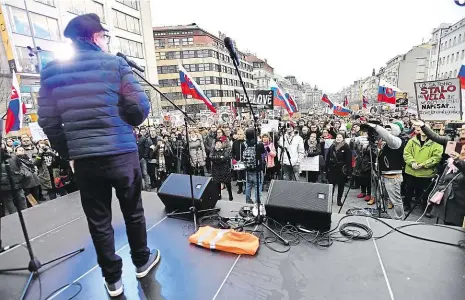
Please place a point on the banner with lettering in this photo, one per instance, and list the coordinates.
(258, 98)
(439, 100)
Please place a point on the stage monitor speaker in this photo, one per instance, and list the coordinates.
(175, 192)
(306, 204)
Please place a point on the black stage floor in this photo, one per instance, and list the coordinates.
(395, 267)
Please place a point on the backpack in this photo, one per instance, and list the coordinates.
(249, 156)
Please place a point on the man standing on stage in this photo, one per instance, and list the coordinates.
(88, 106)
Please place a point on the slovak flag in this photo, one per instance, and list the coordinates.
(346, 101)
(190, 87)
(341, 111)
(326, 100)
(292, 103)
(16, 108)
(279, 97)
(233, 109)
(386, 94)
(364, 101)
(462, 76)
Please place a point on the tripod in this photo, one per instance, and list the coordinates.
(284, 149)
(377, 183)
(417, 201)
(259, 218)
(34, 264)
(192, 210)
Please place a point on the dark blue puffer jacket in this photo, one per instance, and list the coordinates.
(89, 105)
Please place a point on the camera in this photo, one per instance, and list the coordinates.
(451, 129)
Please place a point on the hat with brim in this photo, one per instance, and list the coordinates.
(83, 26)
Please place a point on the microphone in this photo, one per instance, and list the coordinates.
(131, 63)
(228, 42)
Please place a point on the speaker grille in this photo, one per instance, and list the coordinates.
(179, 185)
(300, 195)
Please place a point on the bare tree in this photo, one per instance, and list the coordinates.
(5, 92)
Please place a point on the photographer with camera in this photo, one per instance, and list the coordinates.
(442, 140)
(390, 161)
(293, 146)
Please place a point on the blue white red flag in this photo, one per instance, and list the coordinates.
(292, 103)
(364, 101)
(386, 94)
(16, 108)
(326, 100)
(190, 87)
(279, 97)
(462, 76)
(341, 111)
(232, 107)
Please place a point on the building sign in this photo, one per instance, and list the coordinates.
(259, 98)
(439, 100)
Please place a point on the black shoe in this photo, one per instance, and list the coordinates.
(154, 258)
(240, 191)
(115, 289)
(339, 202)
(231, 198)
(428, 215)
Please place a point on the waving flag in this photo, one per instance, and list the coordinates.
(341, 111)
(292, 103)
(233, 109)
(462, 76)
(16, 108)
(364, 101)
(326, 100)
(279, 97)
(346, 101)
(189, 87)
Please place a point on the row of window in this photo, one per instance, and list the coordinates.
(205, 80)
(201, 68)
(209, 93)
(131, 3)
(29, 64)
(128, 47)
(199, 54)
(43, 27)
(452, 42)
(126, 22)
(80, 7)
(446, 75)
(161, 43)
(451, 58)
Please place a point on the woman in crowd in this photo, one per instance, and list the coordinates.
(237, 152)
(339, 165)
(452, 206)
(269, 157)
(162, 156)
(312, 149)
(222, 137)
(8, 192)
(31, 180)
(221, 167)
(363, 167)
(197, 153)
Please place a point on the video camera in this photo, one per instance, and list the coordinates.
(451, 129)
(372, 134)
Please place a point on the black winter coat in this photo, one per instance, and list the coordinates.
(237, 149)
(17, 173)
(338, 163)
(221, 165)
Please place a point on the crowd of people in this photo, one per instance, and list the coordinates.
(409, 155)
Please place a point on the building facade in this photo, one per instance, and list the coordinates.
(205, 58)
(40, 23)
(448, 50)
(262, 71)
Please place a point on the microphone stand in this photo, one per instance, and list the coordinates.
(259, 218)
(192, 210)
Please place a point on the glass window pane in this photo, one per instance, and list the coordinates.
(141, 50)
(53, 27)
(97, 8)
(46, 57)
(40, 26)
(130, 22)
(19, 21)
(122, 21)
(136, 26)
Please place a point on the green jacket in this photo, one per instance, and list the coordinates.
(429, 156)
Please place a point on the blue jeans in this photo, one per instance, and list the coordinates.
(251, 181)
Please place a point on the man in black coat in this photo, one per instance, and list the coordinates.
(88, 106)
(8, 193)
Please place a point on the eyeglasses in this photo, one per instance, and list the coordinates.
(107, 39)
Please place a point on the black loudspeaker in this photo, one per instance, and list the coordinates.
(300, 203)
(175, 192)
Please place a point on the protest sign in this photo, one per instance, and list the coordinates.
(268, 126)
(259, 98)
(37, 133)
(439, 100)
(310, 164)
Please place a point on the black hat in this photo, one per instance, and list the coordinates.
(83, 26)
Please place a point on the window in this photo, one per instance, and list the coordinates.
(463, 54)
(130, 3)
(77, 7)
(19, 21)
(207, 67)
(173, 42)
(201, 67)
(460, 38)
(45, 27)
(160, 55)
(26, 63)
(47, 2)
(187, 41)
(173, 55)
(457, 56)
(97, 8)
(450, 74)
(455, 40)
(445, 45)
(448, 58)
(126, 22)
(159, 43)
(455, 72)
(130, 48)
(452, 57)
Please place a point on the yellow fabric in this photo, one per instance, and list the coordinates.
(226, 240)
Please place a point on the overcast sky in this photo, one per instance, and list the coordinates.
(323, 42)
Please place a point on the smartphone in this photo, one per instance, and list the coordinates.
(453, 147)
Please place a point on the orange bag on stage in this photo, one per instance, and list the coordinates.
(226, 240)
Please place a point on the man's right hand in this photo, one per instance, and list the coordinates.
(418, 123)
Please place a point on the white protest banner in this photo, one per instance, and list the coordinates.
(37, 133)
(268, 126)
(310, 164)
(439, 100)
